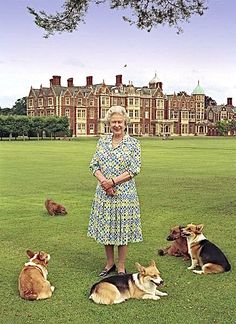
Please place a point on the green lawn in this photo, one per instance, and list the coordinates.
(182, 180)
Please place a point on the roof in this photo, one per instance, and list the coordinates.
(198, 90)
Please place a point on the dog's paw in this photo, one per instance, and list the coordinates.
(52, 288)
(198, 271)
(156, 297)
(190, 268)
(162, 294)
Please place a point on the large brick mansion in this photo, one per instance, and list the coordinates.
(151, 112)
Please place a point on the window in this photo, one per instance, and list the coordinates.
(91, 113)
(146, 129)
(81, 128)
(91, 102)
(67, 112)
(184, 129)
(91, 128)
(184, 114)
(115, 101)
(159, 114)
(67, 101)
(105, 101)
(31, 102)
(130, 129)
(136, 102)
(146, 114)
(131, 102)
(104, 111)
(136, 114)
(40, 102)
(191, 115)
(50, 101)
(136, 128)
(131, 113)
(81, 113)
(80, 102)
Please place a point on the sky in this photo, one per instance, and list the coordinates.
(205, 51)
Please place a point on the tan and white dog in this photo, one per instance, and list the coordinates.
(33, 283)
(204, 253)
(118, 288)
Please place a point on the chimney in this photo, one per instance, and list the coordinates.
(56, 80)
(118, 80)
(89, 81)
(229, 102)
(51, 82)
(70, 82)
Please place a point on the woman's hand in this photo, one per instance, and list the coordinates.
(107, 184)
(111, 191)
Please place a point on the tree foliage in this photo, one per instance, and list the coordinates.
(144, 14)
(19, 108)
(26, 126)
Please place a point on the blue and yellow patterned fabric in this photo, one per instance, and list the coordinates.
(115, 220)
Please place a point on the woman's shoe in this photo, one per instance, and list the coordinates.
(105, 272)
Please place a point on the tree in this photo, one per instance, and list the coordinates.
(37, 125)
(182, 93)
(5, 111)
(223, 127)
(19, 107)
(145, 14)
(54, 125)
(209, 101)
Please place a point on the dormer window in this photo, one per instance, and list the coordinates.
(67, 101)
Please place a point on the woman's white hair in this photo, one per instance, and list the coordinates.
(117, 110)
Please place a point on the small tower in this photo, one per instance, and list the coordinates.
(155, 83)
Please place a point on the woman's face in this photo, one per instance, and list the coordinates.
(117, 124)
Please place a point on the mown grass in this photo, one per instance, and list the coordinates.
(184, 180)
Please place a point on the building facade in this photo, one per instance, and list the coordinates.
(151, 112)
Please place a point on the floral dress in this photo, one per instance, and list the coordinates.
(115, 220)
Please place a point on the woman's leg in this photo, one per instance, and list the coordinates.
(122, 252)
(109, 249)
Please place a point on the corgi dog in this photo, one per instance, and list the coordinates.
(204, 253)
(118, 288)
(178, 247)
(54, 208)
(33, 283)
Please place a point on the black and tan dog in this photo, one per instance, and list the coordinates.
(141, 285)
(178, 247)
(203, 252)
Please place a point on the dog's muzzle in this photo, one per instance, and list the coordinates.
(158, 283)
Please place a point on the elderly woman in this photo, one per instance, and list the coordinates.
(115, 212)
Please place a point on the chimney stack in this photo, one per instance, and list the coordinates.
(118, 80)
(56, 80)
(229, 102)
(89, 81)
(70, 82)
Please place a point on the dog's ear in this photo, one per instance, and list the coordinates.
(41, 255)
(153, 263)
(30, 253)
(140, 268)
(199, 228)
(181, 227)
